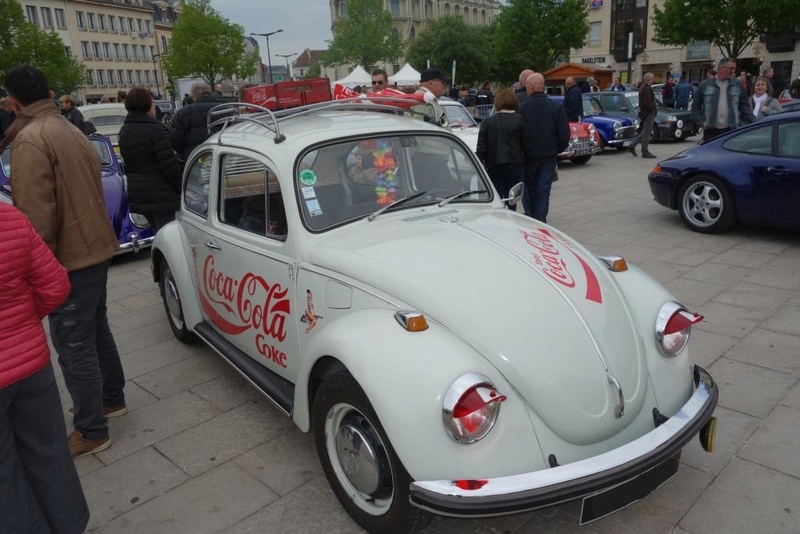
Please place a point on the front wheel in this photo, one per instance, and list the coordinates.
(706, 205)
(359, 462)
(580, 160)
(173, 305)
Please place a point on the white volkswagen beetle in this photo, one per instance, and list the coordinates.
(448, 355)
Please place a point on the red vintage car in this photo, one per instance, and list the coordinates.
(583, 143)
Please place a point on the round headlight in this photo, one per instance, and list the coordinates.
(592, 129)
(139, 220)
(617, 125)
(680, 124)
(470, 408)
(672, 118)
(673, 328)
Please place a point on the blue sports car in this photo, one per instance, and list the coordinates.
(132, 229)
(611, 131)
(750, 175)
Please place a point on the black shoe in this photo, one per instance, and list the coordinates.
(648, 155)
(632, 149)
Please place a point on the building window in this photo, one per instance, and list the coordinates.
(395, 8)
(111, 77)
(144, 53)
(101, 20)
(131, 25)
(112, 24)
(126, 52)
(106, 50)
(47, 17)
(130, 77)
(61, 19)
(595, 33)
(139, 25)
(92, 22)
(122, 28)
(33, 16)
(135, 52)
(101, 77)
(87, 52)
(96, 49)
(149, 27)
(117, 55)
(147, 76)
(152, 51)
(121, 77)
(163, 42)
(139, 77)
(90, 75)
(80, 20)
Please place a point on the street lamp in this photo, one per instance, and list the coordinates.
(155, 75)
(287, 56)
(269, 60)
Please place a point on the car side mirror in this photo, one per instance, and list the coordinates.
(516, 194)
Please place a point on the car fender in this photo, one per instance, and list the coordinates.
(170, 245)
(390, 363)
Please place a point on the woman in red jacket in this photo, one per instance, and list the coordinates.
(39, 488)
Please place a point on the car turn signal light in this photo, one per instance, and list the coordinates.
(411, 320)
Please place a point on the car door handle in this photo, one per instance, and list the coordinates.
(777, 170)
(211, 244)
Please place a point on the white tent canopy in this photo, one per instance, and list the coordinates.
(408, 75)
(358, 77)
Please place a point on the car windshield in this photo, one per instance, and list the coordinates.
(634, 99)
(107, 120)
(349, 180)
(98, 144)
(458, 116)
(592, 107)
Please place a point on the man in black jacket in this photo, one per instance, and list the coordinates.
(189, 127)
(548, 131)
(573, 100)
(647, 116)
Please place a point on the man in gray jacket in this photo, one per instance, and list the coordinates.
(720, 102)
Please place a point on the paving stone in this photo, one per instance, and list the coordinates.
(733, 321)
(752, 296)
(733, 431)
(148, 359)
(183, 375)
(120, 292)
(663, 272)
(547, 520)
(705, 347)
(786, 320)
(131, 482)
(155, 422)
(777, 442)
(739, 257)
(693, 293)
(792, 399)
(284, 463)
(685, 256)
(144, 299)
(223, 437)
(718, 243)
(227, 391)
(767, 243)
(774, 277)
(747, 498)
(788, 259)
(136, 319)
(717, 273)
(117, 277)
(749, 389)
(769, 349)
(130, 340)
(196, 506)
(292, 514)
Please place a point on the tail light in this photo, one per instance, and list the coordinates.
(673, 328)
(470, 408)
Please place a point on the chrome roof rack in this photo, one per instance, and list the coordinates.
(233, 112)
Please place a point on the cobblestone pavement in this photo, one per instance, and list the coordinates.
(201, 452)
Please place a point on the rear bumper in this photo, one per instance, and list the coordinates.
(529, 491)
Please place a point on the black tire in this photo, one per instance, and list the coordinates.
(601, 144)
(172, 305)
(706, 205)
(581, 160)
(655, 134)
(378, 499)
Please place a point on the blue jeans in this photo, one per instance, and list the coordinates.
(87, 352)
(40, 491)
(505, 176)
(539, 175)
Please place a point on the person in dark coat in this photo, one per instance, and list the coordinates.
(573, 100)
(7, 115)
(189, 127)
(502, 144)
(154, 175)
(548, 132)
(70, 112)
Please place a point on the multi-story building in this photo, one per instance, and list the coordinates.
(50, 15)
(611, 23)
(409, 17)
(165, 15)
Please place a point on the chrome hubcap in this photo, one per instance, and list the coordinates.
(357, 458)
(173, 299)
(703, 204)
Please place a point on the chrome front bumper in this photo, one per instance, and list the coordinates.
(539, 489)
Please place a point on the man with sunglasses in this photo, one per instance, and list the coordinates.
(380, 80)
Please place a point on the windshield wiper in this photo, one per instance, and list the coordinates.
(396, 203)
(449, 199)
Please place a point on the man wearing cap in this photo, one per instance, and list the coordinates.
(432, 81)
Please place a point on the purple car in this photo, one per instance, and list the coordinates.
(132, 229)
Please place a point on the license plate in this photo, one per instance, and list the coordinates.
(609, 501)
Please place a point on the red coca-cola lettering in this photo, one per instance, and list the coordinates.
(217, 285)
(270, 352)
(269, 316)
(555, 267)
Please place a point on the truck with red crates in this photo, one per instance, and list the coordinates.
(289, 94)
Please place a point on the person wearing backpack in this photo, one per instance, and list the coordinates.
(668, 92)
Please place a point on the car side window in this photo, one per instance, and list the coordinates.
(195, 194)
(753, 141)
(251, 197)
(789, 140)
(612, 103)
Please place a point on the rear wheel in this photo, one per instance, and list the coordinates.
(706, 205)
(359, 462)
(173, 305)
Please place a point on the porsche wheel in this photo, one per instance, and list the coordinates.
(706, 205)
(359, 462)
(173, 306)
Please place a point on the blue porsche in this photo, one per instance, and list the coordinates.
(749, 175)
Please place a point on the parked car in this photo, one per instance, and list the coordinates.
(132, 229)
(583, 143)
(750, 174)
(167, 111)
(108, 119)
(791, 105)
(611, 131)
(670, 123)
(461, 121)
(335, 255)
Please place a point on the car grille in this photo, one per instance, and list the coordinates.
(582, 147)
(626, 132)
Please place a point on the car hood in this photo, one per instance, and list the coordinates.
(605, 119)
(538, 306)
(468, 135)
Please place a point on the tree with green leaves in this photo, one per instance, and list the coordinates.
(23, 43)
(206, 45)
(451, 39)
(539, 32)
(363, 36)
(314, 71)
(731, 25)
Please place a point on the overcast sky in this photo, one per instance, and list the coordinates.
(305, 23)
